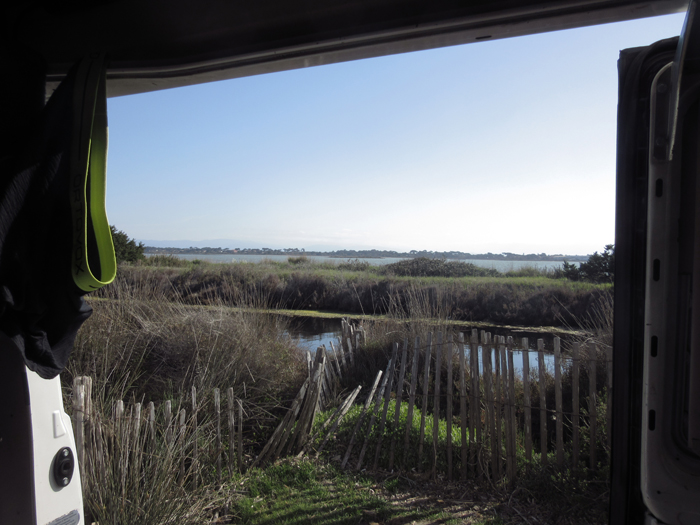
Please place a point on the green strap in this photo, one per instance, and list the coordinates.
(93, 261)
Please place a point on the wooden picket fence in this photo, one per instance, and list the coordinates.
(470, 388)
(173, 428)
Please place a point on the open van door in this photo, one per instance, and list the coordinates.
(656, 398)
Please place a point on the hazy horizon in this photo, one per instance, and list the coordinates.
(232, 244)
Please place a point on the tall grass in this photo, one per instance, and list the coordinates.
(133, 478)
(144, 344)
(525, 298)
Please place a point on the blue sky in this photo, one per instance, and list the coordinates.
(504, 145)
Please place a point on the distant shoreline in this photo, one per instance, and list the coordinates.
(368, 254)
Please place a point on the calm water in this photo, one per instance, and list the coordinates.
(501, 266)
(314, 332)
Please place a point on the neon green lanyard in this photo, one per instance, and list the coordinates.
(91, 233)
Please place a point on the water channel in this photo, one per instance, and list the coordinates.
(312, 332)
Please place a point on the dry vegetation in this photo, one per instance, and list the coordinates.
(158, 331)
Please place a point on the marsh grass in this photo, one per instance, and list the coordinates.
(529, 297)
(141, 344)
(132, 477)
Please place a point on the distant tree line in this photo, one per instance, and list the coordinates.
(370, 254)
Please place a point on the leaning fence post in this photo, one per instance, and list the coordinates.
(377, 405)
(387, 399)
(360, 419)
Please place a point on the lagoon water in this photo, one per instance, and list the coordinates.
(310, 333)
(501, 266)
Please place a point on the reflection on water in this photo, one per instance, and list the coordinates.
(312, 332)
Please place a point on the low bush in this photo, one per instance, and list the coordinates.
(424, 267)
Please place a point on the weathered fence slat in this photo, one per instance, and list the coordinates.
(399, 395)
(411, 397)
(308, 412)
(336, 361)
(527, 403)
(377, 405)
(340, 415)
(448, 409)
(475, 403)
(281, 436)
(543, 402)
(78, 418)
(462, 404)
(232, 429)
(592, 405)
(341, 357)
(362, 417)
(169, 433)
(424, 407)
(558, 402)
(575, 418)
(181, 437)
(436, 403)
(387, 399)
(449, 356)
(328, 422)
(609, 386)
(513, 422)
(217, 415)
(498, 407)
(510, 455)
(152, 422)
(240, 436)
(195, 458)
(488, 394)
(351, 352)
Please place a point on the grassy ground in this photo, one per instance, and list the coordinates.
(310, 492)
(313, 492)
